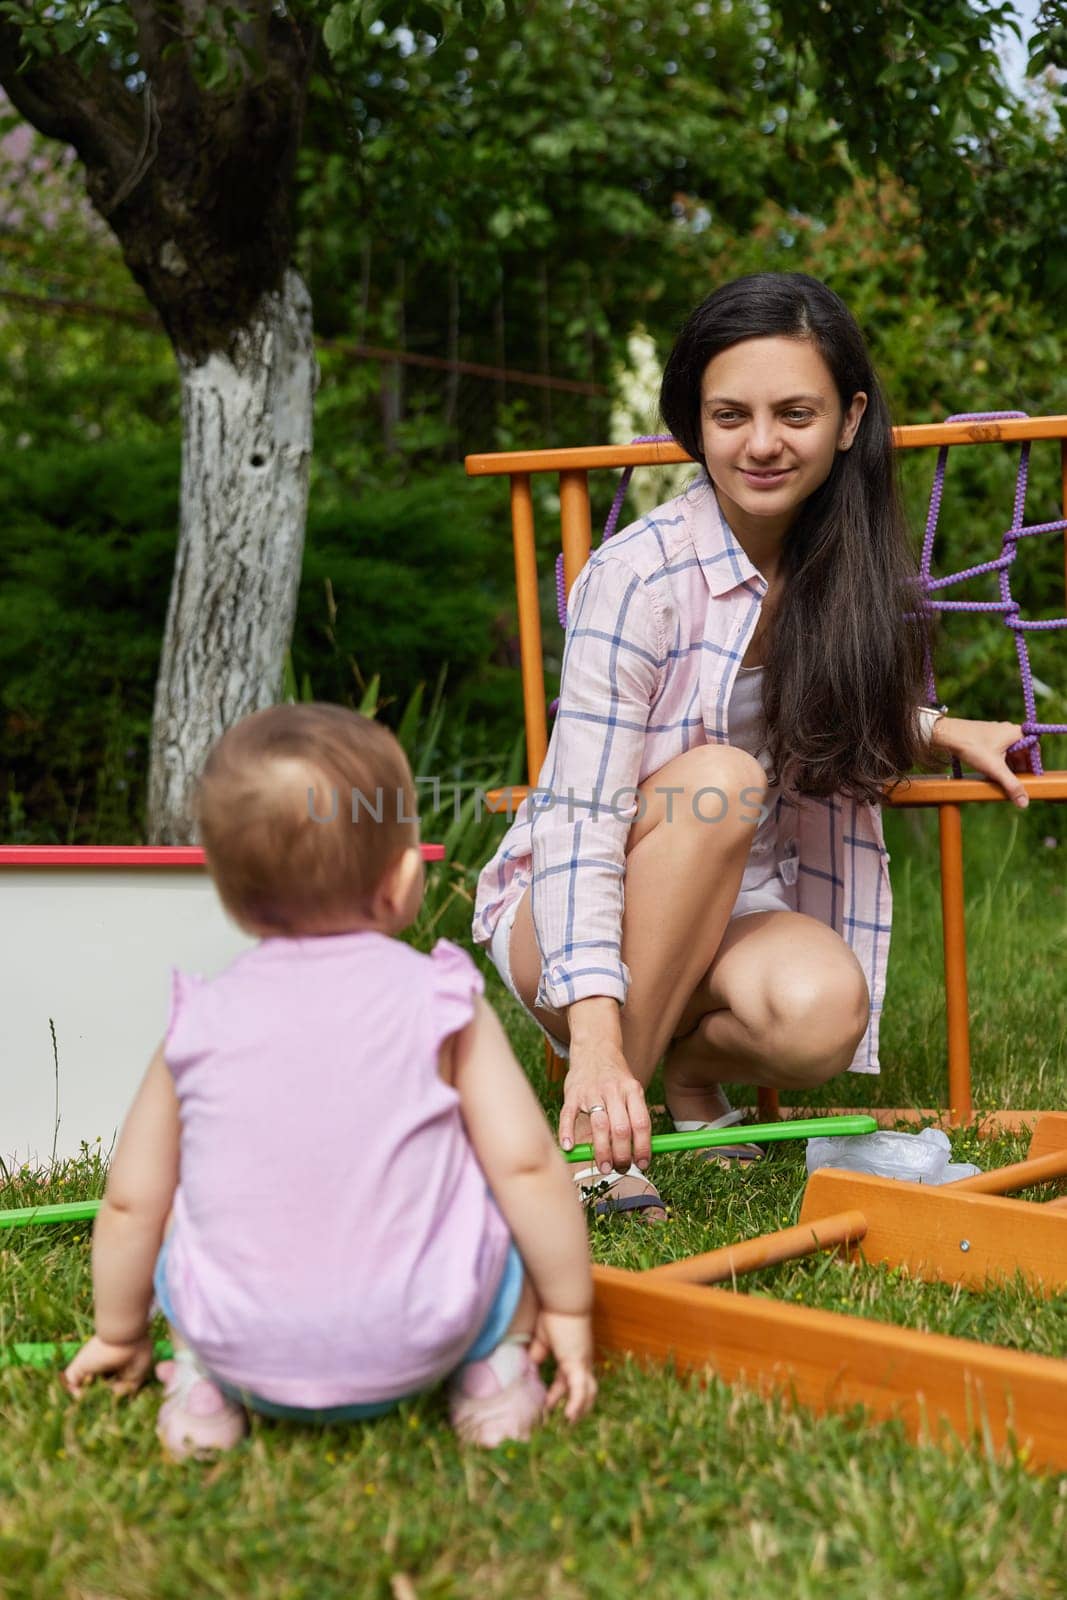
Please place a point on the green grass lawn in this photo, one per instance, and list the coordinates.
(673, 1487)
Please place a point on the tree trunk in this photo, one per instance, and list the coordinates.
(246, 448)
(196, 183)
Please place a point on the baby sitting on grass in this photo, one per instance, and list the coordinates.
(334, 1175)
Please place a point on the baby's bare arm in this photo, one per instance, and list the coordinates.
(127, 1235)
(523, 1166)
(130, 1224)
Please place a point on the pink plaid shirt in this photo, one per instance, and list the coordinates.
(659, 620)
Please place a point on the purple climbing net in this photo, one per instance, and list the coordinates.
(1007, 606)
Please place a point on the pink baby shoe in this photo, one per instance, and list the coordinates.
(501, 1397)
(196, 1418)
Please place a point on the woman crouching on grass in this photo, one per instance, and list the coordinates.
(701, 874)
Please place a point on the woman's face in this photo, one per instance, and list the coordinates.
(771, 425)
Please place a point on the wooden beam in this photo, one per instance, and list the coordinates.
(1050, 1134)
(967, 791)
(942, 1236)
(987, 1124)
(1020, 1175)
(913, 436)
(529, 606)
(576, 529)
(829, 1362)
(767, 1250)
(954, 941)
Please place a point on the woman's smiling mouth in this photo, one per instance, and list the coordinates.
(765, 480)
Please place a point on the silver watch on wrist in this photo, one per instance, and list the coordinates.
(929, 717)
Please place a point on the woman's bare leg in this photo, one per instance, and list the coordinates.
(683, 872)
(774, 998)
(783, 1005)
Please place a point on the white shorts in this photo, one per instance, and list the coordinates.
(498, 955)
(771, 895)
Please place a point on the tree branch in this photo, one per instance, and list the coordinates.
(94, 111)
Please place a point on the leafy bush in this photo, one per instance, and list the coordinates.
(396, 580)
(84, 578)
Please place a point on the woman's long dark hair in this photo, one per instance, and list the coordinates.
(846, 654)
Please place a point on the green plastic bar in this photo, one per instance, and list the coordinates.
(32, 1216)
(756, 1133)
(49, 1355)
(662, 1144)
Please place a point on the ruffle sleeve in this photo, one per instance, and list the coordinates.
(456, 983)
(182, 1040)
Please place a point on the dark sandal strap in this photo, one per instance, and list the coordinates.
(745, 1153)
(630, 1202)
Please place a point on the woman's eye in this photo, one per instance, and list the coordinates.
(799, 415)
(727, 416)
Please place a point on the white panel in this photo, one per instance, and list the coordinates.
(92, 949)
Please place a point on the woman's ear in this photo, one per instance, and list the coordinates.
(852, 420)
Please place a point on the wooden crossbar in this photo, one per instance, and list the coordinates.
(1050, 1133)
(942, 1235)
(913, 436)
(916, 792)
(947, 794)
(768, 1250)
(831, 1362)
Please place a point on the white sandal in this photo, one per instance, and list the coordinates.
(595, 1188)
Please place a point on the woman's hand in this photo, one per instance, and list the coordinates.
(128, 1364)
(982, 746)
(600, 1082)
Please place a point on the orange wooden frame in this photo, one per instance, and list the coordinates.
(947, 794)
(936, 1386)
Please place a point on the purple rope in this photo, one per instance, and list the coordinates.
(610, 525)
(561, 593)
(1008, 606)
(609, 528)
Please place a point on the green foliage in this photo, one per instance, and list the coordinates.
(221, 42)
(553, 165)
(398, 579)
(84, 576)
(917, 92)
(85, 572)
(81, 357)
(82, 30)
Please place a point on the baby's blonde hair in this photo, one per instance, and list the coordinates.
(301, 810)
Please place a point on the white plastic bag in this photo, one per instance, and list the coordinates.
(915, 1157)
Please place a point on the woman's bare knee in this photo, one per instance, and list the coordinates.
(813, 1025)
(711, 784)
